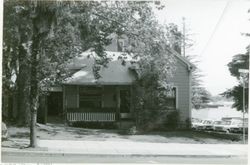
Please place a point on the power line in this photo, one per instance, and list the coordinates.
(216, 27)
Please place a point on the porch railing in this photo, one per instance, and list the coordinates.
(91, 116)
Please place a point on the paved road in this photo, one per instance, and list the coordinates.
(18, 158)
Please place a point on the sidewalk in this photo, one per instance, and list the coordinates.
(123, 148)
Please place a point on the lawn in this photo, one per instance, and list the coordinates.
(19, 136)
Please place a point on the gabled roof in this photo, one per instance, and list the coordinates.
(114, 74)
(183, 59)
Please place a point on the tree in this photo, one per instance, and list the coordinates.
(15, 62)
(200, 96)
(236, 94)
(239, 61)
(60, 30)
(52, 41)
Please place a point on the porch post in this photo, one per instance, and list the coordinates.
(64, 106)
(77, 99)
(131, 106)
(46, 109)
(118, 103)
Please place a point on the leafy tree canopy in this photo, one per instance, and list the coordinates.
(239, 61)
(48, 34)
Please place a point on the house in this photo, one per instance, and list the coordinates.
(109, 99)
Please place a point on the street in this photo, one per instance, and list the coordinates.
(60, 158)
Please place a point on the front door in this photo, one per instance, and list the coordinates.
(55, 106)
(125, 101)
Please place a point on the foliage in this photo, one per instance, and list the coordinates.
(15, 65)
(150, 101)
(200, 96)
(236, 94)
(48, 34)
(172, 119)
(176, 37)
(74, 27)
(199, 93)
(239, 61)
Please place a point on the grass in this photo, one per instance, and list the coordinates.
(185, 134)
(19, 136)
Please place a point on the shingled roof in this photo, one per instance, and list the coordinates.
(114, 74)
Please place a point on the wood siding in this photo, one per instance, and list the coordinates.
(181, 80)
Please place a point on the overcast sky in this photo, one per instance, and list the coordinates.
(216, 26)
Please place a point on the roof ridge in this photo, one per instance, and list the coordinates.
(183, 59)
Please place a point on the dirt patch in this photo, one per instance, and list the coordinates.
(19, 137)
(15, 143)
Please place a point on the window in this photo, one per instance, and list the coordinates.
(90, 97)
(120, 45)
(171, 99)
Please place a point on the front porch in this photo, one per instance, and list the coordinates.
(102, 103)
(98, 115)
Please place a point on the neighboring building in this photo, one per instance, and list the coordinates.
(109, 99)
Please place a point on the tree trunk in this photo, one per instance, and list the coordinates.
(6, 89)
(23, 89)
(34, 92)
(33, 132)
(33, 102)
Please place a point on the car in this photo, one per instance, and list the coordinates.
(224, 126)
(216, 125)
(238, 127)
(4, 131)
(204, 125)
(195, 123)
(232, 125)
(208, 124)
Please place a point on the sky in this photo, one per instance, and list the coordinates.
(216, 26)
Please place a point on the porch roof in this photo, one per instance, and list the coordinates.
(114, 74)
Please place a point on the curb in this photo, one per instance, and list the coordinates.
(49, 153)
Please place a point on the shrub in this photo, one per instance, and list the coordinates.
(132, 130)
(172, 119)
(94, 125)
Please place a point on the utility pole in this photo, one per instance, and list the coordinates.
(184, 36)
(244, 109)
(244, 73)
